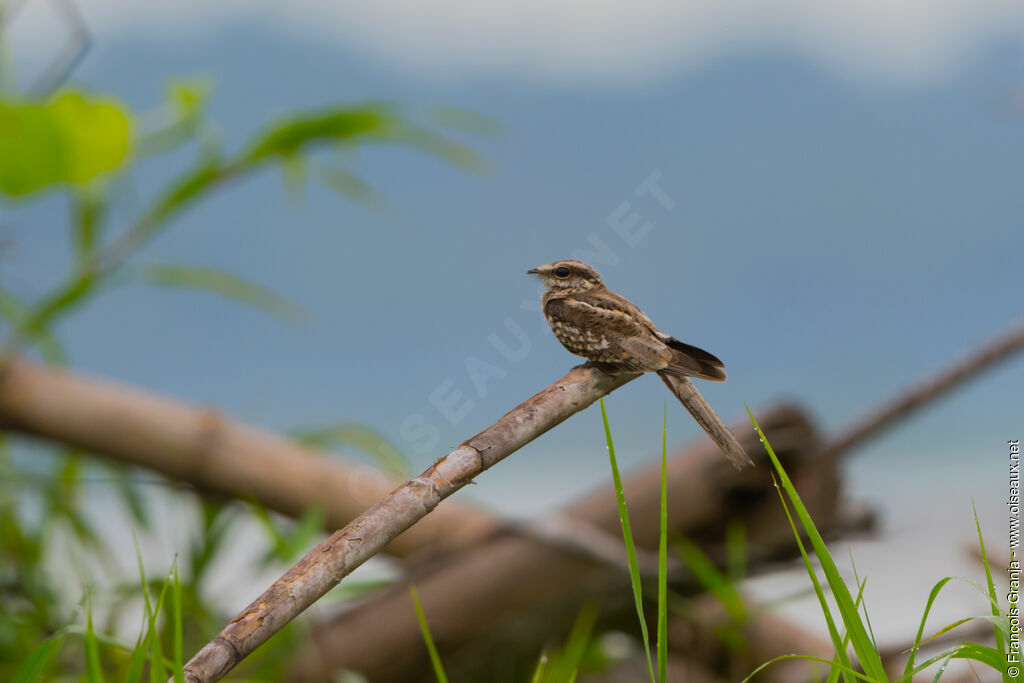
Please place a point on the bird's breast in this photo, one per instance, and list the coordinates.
(584, 342)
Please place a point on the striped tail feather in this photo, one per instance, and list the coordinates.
(705, 416)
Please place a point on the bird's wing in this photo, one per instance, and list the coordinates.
(688, 360)
(596, 313)
(603, 329)
(625, 304)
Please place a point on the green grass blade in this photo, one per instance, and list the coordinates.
(711, 579)
(835, 673)
(867, 655)
(1000, 645)
(860, 601)
(177, 629)
(736, 552)
(566, 667)
(538, 673)
(838, 642)
(93, 667)
(627, 535)
(919, 638)
(941, 670)
(370, 441)
(980, 653)
(34, 668)
(844, 667)
(130, 495)
(435, 659)
(138, 660)
(998, 622)
(158, 663)
(663, 555)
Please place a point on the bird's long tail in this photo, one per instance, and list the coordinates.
(704, 415)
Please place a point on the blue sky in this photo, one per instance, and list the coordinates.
(842, 224)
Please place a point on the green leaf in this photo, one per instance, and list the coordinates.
(98, 130)
(32, 149)
(436, 145)
(73, 138)
(435, 659)
(466, 121)
(223, 284)
(627, 535)
(349, 185)
(289, 137)
(294, 170)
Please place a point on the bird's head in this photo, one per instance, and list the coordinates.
(568, 276)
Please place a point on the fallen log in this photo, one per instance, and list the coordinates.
(204, 448)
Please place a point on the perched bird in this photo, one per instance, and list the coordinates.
(607, 329)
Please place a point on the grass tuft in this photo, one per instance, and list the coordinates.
(627, 536)
(428, 640)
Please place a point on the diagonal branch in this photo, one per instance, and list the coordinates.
(327, 564)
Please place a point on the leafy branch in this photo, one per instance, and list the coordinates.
(287, 143)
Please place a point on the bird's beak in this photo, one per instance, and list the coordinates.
(533, 271)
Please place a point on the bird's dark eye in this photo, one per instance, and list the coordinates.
(562, 271)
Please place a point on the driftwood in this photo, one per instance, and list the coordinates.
(329, 562)
(505, 597)
(201, 447)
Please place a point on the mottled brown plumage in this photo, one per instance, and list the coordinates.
(606, 328)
